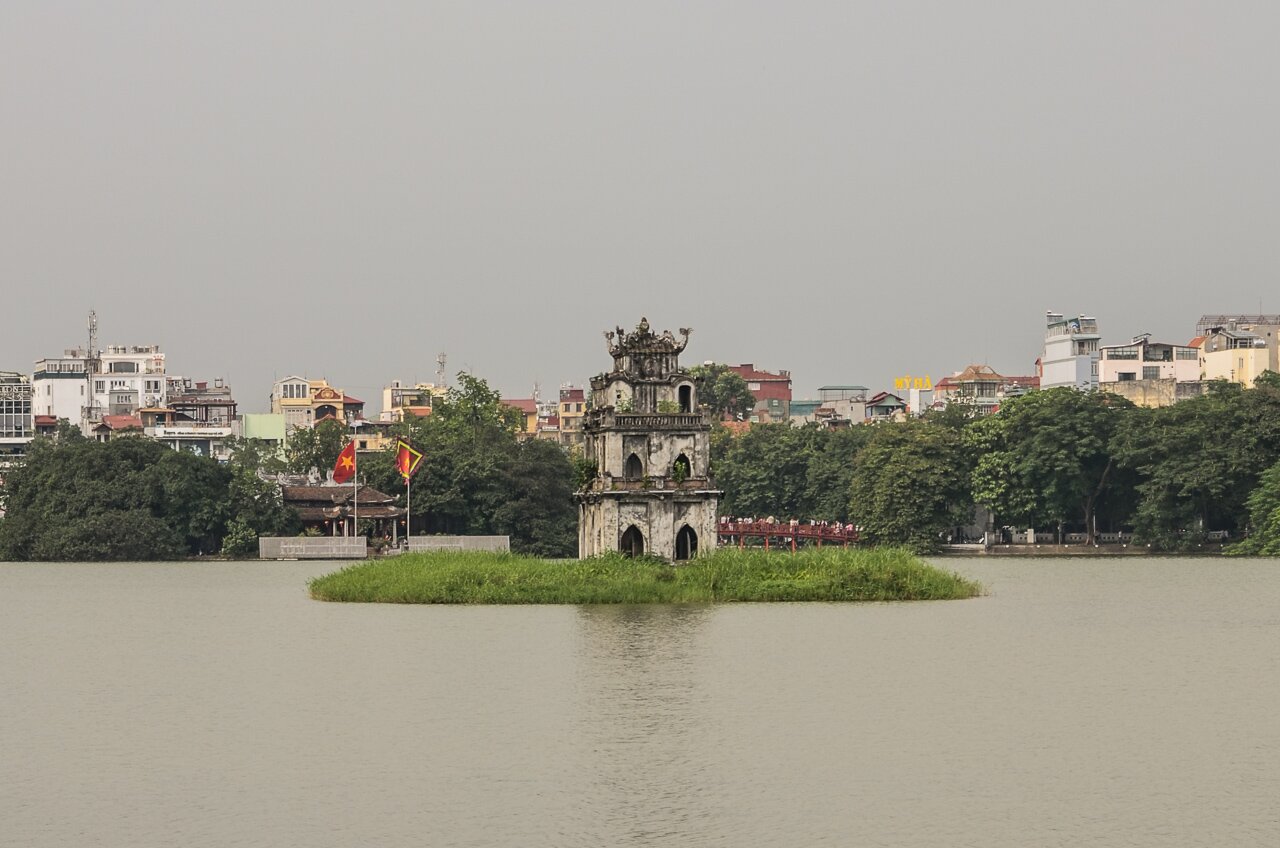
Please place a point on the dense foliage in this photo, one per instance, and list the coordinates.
(131, 499)
(1058, 460)
(477, 478)
(723, 391)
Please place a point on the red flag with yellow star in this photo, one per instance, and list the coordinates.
(346, 464)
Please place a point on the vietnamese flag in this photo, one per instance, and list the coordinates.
(345, 467)
(407, 459)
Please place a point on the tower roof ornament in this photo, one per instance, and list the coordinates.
(643, 340)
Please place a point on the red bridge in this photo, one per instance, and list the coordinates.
(782, 534)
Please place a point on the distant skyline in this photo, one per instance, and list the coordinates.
(847, 191)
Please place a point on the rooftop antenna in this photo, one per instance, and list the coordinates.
(93, 333)
(441, 359)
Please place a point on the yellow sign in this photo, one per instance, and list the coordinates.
(910, 382)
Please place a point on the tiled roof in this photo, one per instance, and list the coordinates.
(348, 400)
(528, 406)
(337, 494)
(749, 372)
(122, 422)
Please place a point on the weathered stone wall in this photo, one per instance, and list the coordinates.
(659, 516)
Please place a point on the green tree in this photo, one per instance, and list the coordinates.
(722, 391)
(910, 484)
(765, 471)
(255, 455)
(538, 512)
(1264, 518)
(830, 471)
(315, 447)
(130, 498)
(1047, 456)
(1199, 460)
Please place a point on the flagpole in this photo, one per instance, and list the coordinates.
(355, 491)
(408, 509)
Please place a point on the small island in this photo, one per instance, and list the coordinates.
(726, 575)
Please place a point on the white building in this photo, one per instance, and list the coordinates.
(1071, 354)
(60, 386)
(126, 379)
(1143, 359)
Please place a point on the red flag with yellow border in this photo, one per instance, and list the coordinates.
(407, 459)
(346, 464)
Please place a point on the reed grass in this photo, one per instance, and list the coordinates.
(728, 574)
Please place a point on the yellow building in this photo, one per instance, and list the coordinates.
(1233, 355)
(400, 401)
(528, 409)
(303, 402)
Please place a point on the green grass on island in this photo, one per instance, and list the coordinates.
(880, 574)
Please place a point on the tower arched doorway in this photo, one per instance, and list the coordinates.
(632, 543)
(634, 469)
(686, 543)
(685, 395)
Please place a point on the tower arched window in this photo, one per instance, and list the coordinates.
(634, 469)
(686, 543)
(685, 395)
(632, 542)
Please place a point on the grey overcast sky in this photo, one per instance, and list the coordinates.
(847, 190)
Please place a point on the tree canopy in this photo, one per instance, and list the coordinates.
(129, 498)
(722, 391)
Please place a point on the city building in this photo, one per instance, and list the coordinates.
(1071, 354)
(126, 378)
(60, 386)
(884, 406)
(108, 427)
(1265, 327)
(528, 414)
(652, 491)
(199, 418)
(1143, 359)
(1151, 374)
(17, 422)
(572, 411)
(265, 427)
(1227, 353)
(980, 388)
(837, 406)
(305, 402)
(771, 390)
(401, 401)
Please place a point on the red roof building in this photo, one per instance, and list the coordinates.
(772, 391)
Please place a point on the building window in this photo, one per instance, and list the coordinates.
(99, 386)
(1151, 372)
(1126, 376)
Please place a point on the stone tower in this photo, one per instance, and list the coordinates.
(651, 447)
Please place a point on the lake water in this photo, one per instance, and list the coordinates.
(1082, 702)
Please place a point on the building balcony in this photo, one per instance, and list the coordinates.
(640, 421)
(607, 483)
